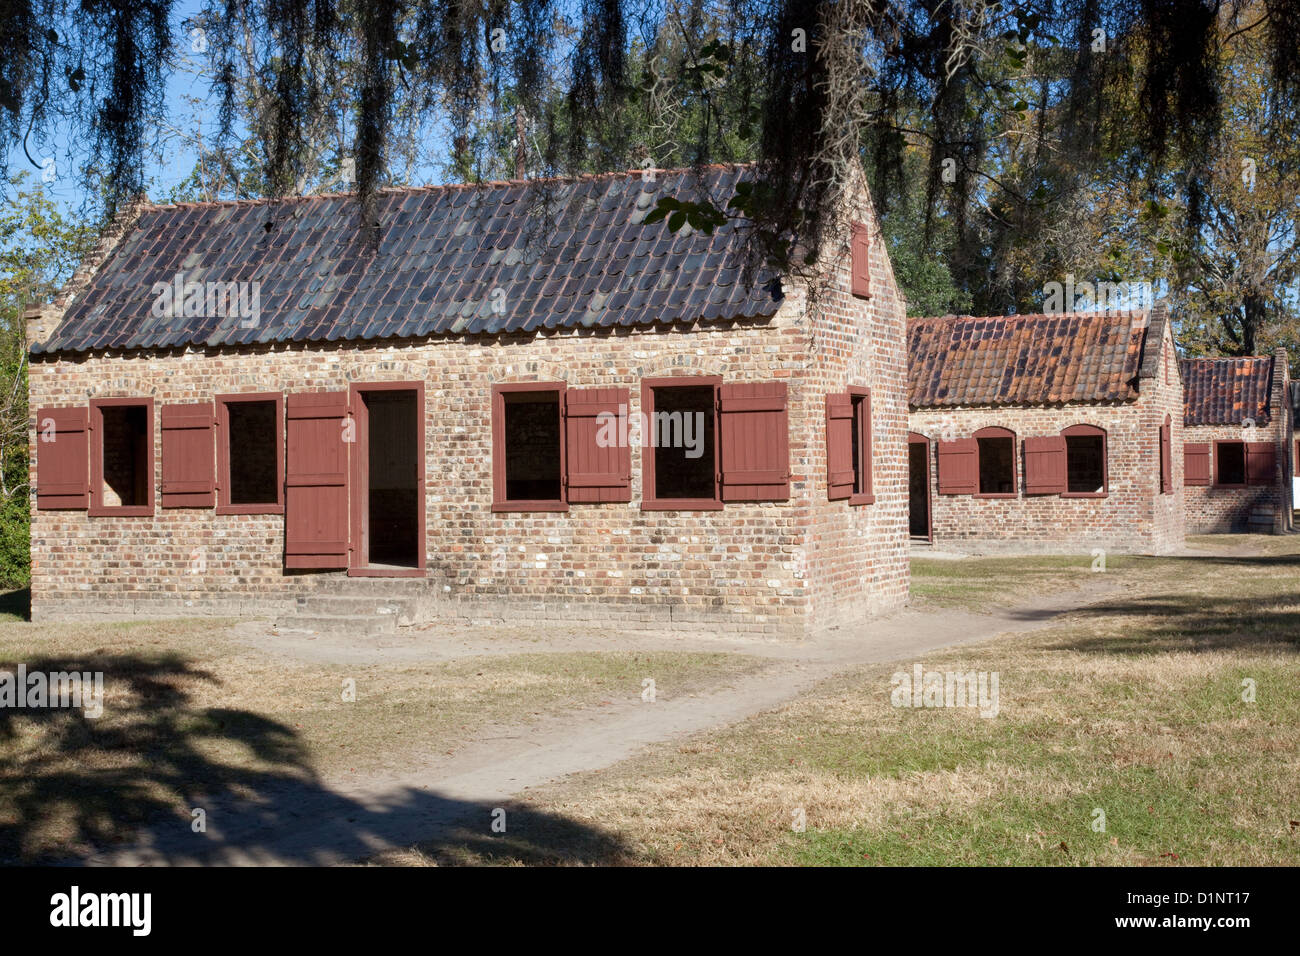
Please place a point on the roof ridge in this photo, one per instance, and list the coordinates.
(963, 317)
(449, 187)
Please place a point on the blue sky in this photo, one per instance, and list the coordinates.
(170, 159)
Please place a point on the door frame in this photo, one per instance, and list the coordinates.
(916, 438)
(360, 480)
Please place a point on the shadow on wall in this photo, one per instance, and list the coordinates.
(71, 785)
(1182, 622)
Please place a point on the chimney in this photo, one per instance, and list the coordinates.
(40, 320)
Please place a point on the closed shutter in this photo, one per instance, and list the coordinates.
(754, 441)
(860, 245)
(1045, 466)
(1261, 463)
(1196, 463)
(959, 472)
(839, 446)
(1166, 460)
(188, 457)
(317, 437)
(598, 453)
(62, 459)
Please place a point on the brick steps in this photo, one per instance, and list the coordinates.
(332, 612)
(338, 624)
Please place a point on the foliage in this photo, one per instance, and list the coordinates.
(38, 250)
(809, 81)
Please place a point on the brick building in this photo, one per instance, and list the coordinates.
(1045, 433)
(457, 412)
(1238, 444)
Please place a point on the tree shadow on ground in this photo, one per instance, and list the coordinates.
(1179, 622)
(123, 787)
(16, 604)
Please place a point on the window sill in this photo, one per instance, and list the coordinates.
(1001, 494)
(267, 509)
(681, 504)
(386, 573)
(862, 499)
(1229, 487)
(121, 511)
(1085, 494)
(521, 506)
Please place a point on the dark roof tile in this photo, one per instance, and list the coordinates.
(549, 244)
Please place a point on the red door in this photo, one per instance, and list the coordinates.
(318, 435)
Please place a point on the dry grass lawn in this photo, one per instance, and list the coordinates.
(1130, 713)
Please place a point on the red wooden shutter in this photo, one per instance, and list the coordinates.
(1196, 463)
(598, 454)
(316, 480)
(839, 445)
(959, 472)
(1045, 466)
(62, 459)
(188, 457)
(1166, 460)
(754, 441)
(1261, 463)
(860, 246)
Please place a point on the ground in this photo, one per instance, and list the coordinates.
(1146, 715)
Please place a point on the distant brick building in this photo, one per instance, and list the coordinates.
(238, 407)
(1045, 433)
(1238, 444)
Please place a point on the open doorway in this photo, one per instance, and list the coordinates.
(918, 486)
(388, 488)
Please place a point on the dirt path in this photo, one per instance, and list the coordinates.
(323, 822)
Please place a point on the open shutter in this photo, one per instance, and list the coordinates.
(865, 439)
(754, 441)
(1196, 463)
(316, 480)
(839, 446)
(1166, 460)
(860, 245)
(62, 459)
(1045, 466)
(959, 472)
(597, 451)
(188, 457)
(1261, 463)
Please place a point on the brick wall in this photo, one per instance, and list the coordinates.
(767, 567)
(1133, 517)
(858, 554)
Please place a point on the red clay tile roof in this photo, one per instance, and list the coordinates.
(563, 253)
(1224, 391)
(1027, 359)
